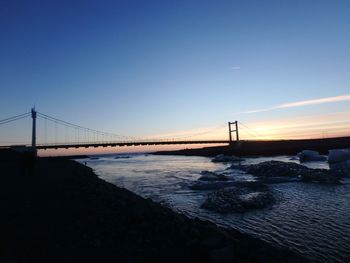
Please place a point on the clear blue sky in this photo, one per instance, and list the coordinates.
(144, 67)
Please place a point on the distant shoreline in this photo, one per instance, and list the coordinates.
(266, 148)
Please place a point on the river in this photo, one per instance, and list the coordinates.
(309, 218)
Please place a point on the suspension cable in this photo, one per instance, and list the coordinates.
(204, 133)
(14, 118)
(72, 125)
(252, 130)
(107, 134)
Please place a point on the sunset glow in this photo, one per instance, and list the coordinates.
(155, 74)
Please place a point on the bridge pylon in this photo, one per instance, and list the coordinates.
(235, 130)
(33, 129)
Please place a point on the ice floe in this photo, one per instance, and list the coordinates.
(308, 156)
(338, 155)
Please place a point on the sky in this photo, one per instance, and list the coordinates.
(174, 68)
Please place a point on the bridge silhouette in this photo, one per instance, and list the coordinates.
(95, 138)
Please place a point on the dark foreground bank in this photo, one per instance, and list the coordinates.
(266, 148)
(60, 211)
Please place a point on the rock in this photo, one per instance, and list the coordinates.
(256, 199)
(238, 199)
(225, 159)
(223, 201)
(338, 155)
(309, 156)
(211, 176)
(270, 169)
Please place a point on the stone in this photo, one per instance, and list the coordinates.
(211, 176)
(238, 199)
(272, 169)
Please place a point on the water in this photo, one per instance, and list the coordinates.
(311, 219)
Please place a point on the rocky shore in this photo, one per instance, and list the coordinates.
(229, 195)
(266, 171)
(60, 211)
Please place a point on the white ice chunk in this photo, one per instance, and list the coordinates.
(338, 155)
(308, 155)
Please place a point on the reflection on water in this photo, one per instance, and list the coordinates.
(312, 219)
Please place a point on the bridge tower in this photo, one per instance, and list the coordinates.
(33, 129)
(235, 130)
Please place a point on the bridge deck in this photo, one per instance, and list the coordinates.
(120, 144)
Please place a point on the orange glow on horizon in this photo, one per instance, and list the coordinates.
(299, 127)
(119, 150)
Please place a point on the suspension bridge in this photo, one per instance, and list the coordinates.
(87, 137)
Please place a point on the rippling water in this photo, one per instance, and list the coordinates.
(312, 219)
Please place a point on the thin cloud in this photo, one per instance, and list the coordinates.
(236, 68)
(304, 103)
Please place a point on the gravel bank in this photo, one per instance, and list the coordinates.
(63, 212)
